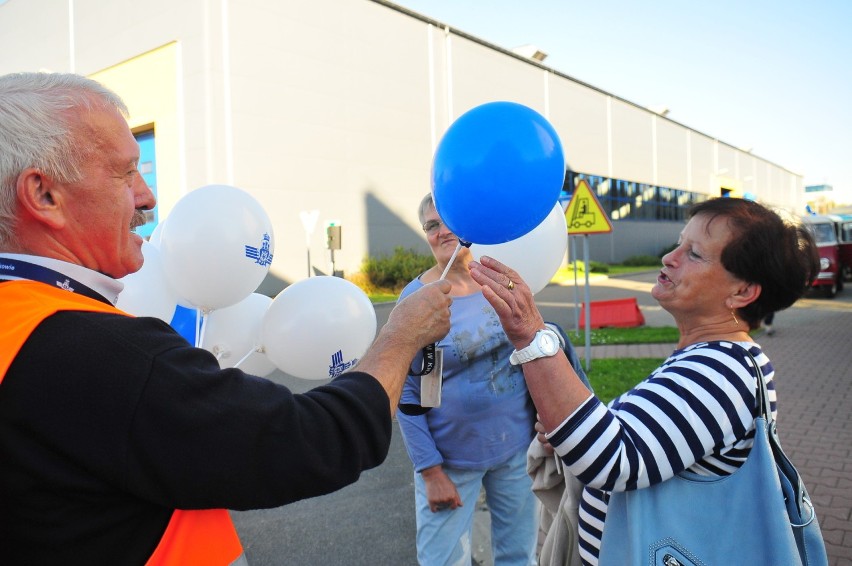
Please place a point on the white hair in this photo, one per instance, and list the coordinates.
(38, 129)
(424, 207)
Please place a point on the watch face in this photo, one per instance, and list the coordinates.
(548, 344)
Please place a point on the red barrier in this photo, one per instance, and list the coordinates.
(617, 312)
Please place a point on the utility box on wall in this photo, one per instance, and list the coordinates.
(334, 231)
(334, 237)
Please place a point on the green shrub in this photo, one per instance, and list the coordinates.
(395, 271)
(594, 267)
(641, 260)
(598, 267)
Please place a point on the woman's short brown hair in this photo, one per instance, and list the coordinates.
(779, 255)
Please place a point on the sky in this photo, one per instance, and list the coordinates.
(771, 75)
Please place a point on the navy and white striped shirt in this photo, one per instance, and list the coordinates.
(696, 411)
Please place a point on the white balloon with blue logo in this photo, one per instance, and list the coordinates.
(216, 247)
(318, 328)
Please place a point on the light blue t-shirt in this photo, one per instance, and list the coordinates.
(486, 414)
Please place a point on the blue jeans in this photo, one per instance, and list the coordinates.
(444, 538)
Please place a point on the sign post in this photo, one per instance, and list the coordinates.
(309, 222)
(585, 216)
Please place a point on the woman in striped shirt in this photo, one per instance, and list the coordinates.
(735, 262)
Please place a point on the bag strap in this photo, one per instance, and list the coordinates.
(784, 464)
(763, 405)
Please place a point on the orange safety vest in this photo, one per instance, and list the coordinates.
(205, 537)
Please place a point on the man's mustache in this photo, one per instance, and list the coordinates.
(139, 219)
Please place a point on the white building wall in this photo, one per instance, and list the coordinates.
(338, 105)
(672, 155)
(579, 114)
(632, 152)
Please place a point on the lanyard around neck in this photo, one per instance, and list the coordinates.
(26, 270)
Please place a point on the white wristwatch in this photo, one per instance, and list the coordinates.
(544, 344)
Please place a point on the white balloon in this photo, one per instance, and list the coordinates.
(155, 239)
(258, 363)
(156, 236)
(232, 333)
(217, 246)
(537, 255)
(318, 327)
(146, 292)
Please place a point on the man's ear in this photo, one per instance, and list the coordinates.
(38, 198)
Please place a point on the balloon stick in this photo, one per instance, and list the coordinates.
(460, 245)
(197, 329)
(200, 327)
(250, 352)
(429, 349)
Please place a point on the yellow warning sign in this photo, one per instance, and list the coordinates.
(584, 214)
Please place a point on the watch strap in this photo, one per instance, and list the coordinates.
(533, 351)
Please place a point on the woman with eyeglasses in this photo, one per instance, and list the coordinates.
(478, 436)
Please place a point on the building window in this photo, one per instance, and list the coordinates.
(148, 170)
(628, 200)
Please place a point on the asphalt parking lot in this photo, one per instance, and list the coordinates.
(372, 521)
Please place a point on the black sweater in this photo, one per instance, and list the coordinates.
(108, 423)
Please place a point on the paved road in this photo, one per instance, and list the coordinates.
(372, 521)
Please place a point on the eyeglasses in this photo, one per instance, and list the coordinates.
(432, 226)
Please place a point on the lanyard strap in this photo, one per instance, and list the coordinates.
(428, 365)
(428, 362)
(25, 270)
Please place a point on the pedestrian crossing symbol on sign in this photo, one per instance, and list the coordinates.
(584, 214)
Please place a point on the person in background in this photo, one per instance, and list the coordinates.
(736, 261)
(478, 436)
(767, 323)
(120, 443)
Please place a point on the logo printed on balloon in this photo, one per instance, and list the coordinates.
(260, 256)
(338, 366)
